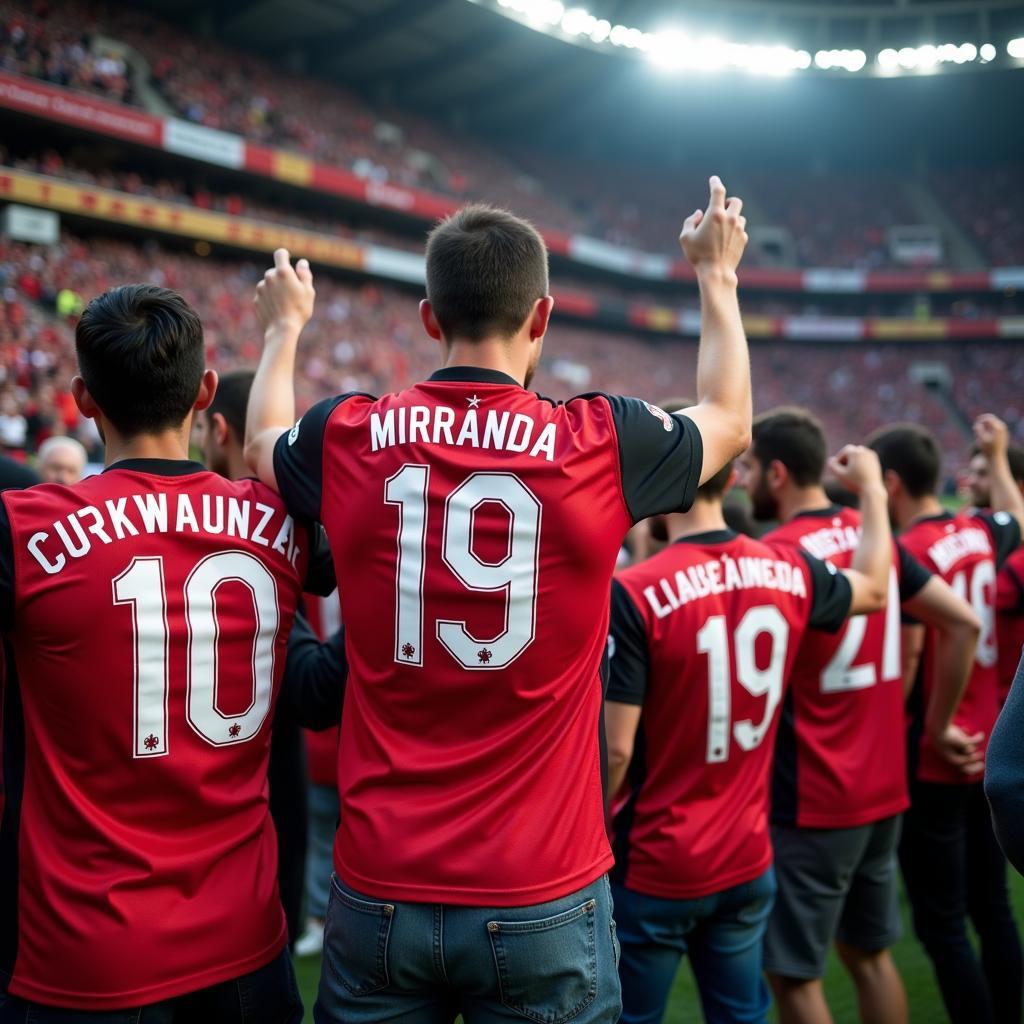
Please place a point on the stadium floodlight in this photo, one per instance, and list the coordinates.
(845, 60)
(674, 49)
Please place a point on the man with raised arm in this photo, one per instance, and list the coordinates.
(475, 528)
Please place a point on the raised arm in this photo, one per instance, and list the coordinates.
(713, 241)
(858, 469)
(284, 305)
(994, 441)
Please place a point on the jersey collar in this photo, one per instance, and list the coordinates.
(471, 375)
(820, 513)
(709, 537)
(159, 467)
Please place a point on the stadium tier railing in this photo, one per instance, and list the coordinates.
(151, 215)
(224, 149)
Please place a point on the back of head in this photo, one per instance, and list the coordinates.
(714, 488)
(794, 437)
(485, 270)
(231, 400)
(912, 453)
(141, 355)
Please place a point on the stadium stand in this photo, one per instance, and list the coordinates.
(368, 337)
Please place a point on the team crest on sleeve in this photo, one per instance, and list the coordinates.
(1002, 518)
(666, 420)
(293, 434)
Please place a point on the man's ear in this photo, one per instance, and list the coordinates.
(220, 428)
(540, 317)
(734, 475)
(429, 321)
(86, 403)
(207, 389)
(778, 475)
(892, 481)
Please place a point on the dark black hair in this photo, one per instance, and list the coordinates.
(912, 453)
(232, 400)
(141, 355)
(485, 270)
(794, 437)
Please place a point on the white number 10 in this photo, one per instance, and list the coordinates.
(515, 573)
(143, 586)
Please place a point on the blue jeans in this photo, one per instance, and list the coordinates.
(323, 823)
(265, 996)
(422, 963)
(722, 935)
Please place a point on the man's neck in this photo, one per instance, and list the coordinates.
(489, 354)
(915, 509)
(237, 466)
(704, 517)
(171, 444)
(803, 499)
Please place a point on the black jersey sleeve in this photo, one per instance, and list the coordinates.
(831, 597)
(315, 674)
(913, 575)
(299, 460)
(1005, 532)
(660, 455)
(6, 571)
(628, 657)
(320, 578)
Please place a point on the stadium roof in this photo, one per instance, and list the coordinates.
(496, 65)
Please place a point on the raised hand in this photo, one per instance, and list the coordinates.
(284, 298)
(715, 239)
(856, 468)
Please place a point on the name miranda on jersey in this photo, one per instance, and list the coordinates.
(721, 576)
(154, 513)
(423, 424)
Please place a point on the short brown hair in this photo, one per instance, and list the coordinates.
(794, 437)
(485, 270)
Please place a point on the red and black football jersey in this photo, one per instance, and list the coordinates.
(704, 636)
(966, 550)
(1010, 619)
(474, 529)
(840, 759)
(146, 612)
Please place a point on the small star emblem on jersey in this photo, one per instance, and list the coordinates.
(151, 742)
(408, 650)
(234, 730)
(474, 402)
(484, 655)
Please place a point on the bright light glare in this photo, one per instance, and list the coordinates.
(676, 50)
(847, 60)
(888, 59)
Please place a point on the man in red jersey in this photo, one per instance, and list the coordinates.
(145, 612)
(952, 865)
(703, 636)
(475, 529)
(840, 780)
(1010, 580)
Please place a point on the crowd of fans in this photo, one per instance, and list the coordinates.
(368, 338)
(833, 219)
